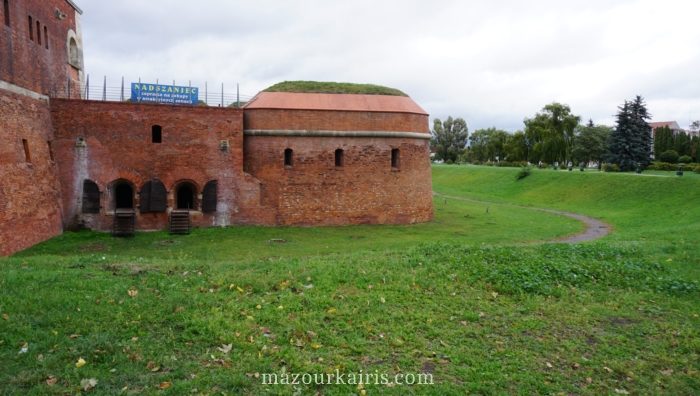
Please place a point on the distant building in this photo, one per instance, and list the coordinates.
(672, 125)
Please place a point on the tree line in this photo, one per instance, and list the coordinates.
(556, 136)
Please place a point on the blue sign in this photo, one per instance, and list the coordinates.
(172, 94)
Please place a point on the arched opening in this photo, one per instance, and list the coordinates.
(6, 7)
(153, 197)
(339, 160)
(91, 197)
(123, 195)
(74, 57)
(288, 157)
(209, 198)
(156, 134)
(185, 196)
(395, 159)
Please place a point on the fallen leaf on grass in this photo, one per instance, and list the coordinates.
(225, 348)
(24, 348)
(621, 392)
(549, 365)
(165, 385)
(73, 336)
(152, 366)
(608, 369)
(6, 316)
(133, 292)
(51, 380)
(667, 372)
(80, 363)
(88, 384)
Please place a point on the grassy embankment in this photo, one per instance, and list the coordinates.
(461, 298)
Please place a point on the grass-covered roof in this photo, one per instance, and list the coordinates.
(333, 87)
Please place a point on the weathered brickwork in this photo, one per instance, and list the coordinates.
(364, 190)
(334, 120)
(29, 191)
(108, 142)
(26, 62)
(286, 159)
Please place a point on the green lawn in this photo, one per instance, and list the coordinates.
(468, 298)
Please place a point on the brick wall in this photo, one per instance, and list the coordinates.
(364, 190)
(25, 62)
(29, 191)
(107, 141)
(335, 120)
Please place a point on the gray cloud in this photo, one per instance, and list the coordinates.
(491, 62)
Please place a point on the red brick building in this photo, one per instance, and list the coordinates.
(284, 159)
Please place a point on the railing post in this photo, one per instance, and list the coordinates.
(206, 94)
(87, 88)
(122, 95)
(104, 89)
(222, 94)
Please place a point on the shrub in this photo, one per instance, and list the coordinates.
(611, 168)
(524, 172)
(685, 159)
(669, 156)
(697, 169)
(662, 166)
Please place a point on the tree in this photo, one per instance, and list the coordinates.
(449, 138)
(516, 147)
(663, 140)
(591, 143)
(550, 133)
(488, 144)
(630, 143)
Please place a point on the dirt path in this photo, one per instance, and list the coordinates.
(595, 229)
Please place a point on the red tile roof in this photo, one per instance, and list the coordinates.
(343, 102)
(673, 125)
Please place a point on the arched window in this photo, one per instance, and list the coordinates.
(339, 160)
(395, 161)
(156, 134)
(288, 157)
(153, 197)
(7, 12)
(209, 197)
(91, 197)
(123, 195)
(38, 32)
(31, 27)
(74, 56)
(185, 194)
(46, 37)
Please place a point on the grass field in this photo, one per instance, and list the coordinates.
(469, 299)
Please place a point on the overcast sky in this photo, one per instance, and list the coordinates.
(492, 63)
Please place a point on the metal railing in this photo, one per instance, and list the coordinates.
(209, 95)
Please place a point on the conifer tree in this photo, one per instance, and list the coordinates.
(630, 143)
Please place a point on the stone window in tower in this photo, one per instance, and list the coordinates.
(339, 158)
(395, 159)
(288, 158)
(31, 27)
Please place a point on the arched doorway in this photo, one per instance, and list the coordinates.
(123, 195)
(185, 196)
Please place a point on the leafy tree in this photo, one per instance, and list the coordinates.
(449, 138)
(550, 134)
(630, 143)
(591, 143)
(488, 144)
(516, 147)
